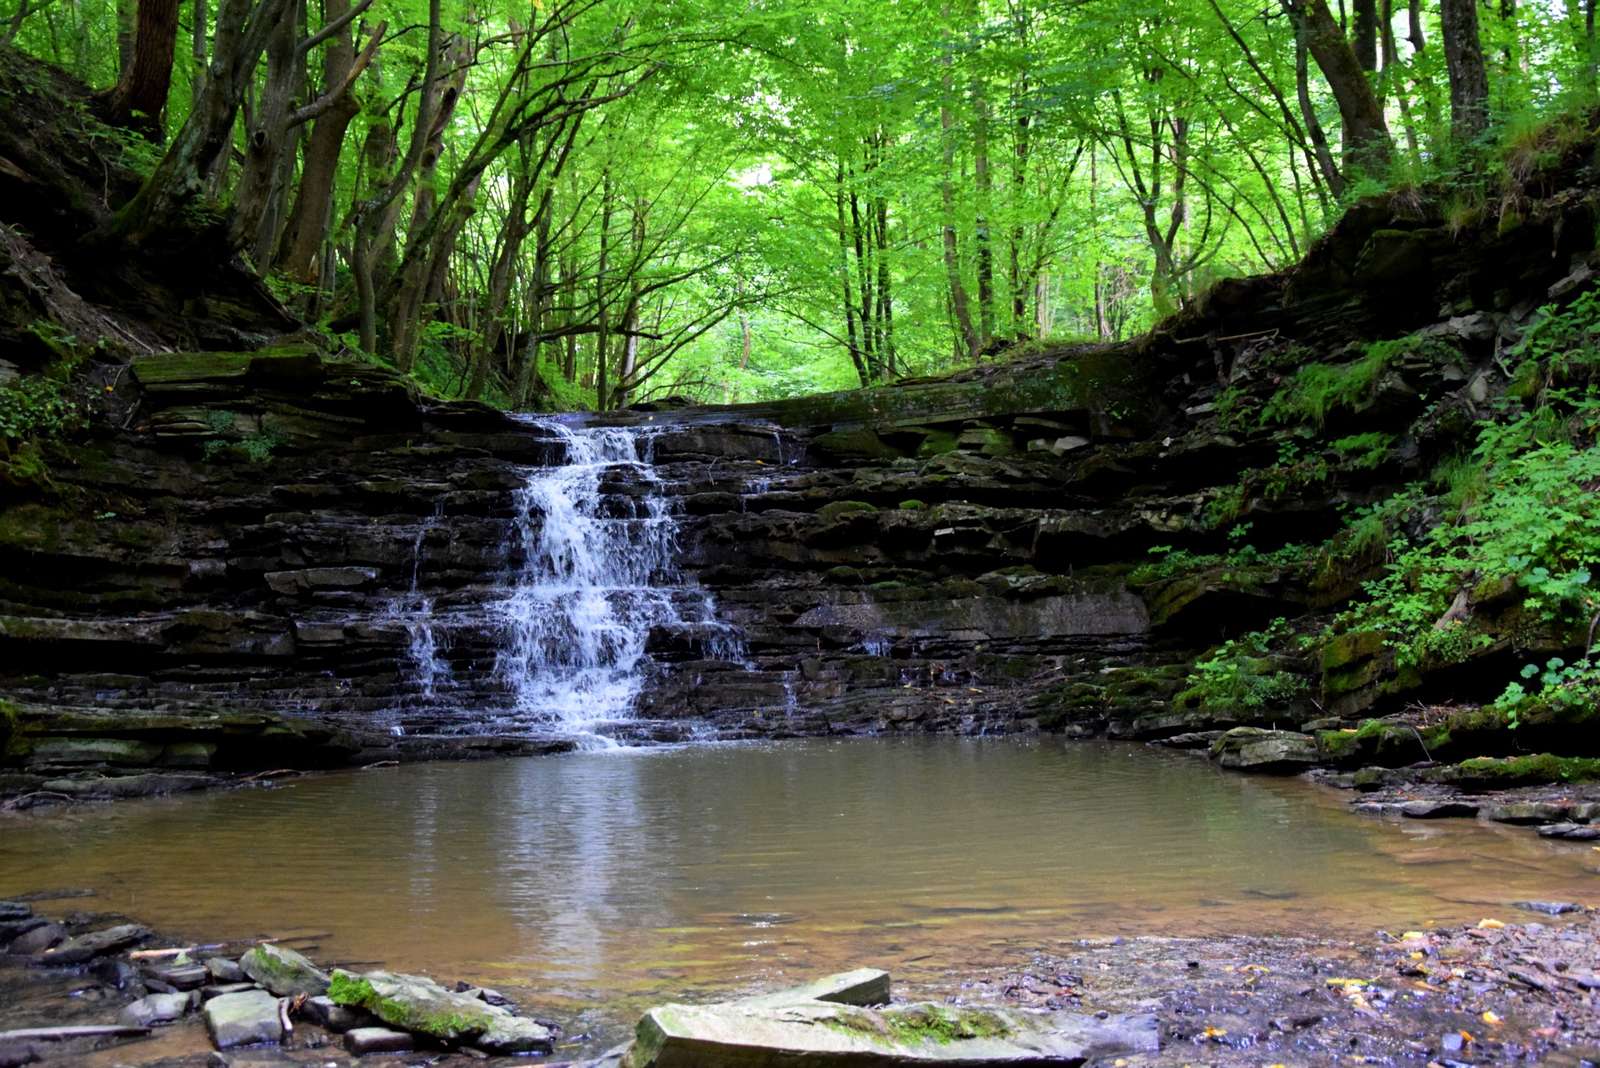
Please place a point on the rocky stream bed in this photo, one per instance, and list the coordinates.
(91, 989)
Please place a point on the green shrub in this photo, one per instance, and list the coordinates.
(1241, 675)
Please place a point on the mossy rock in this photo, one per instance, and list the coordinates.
(937, 443)
(1502, 772)
(412, 1003)
(9, 718)
(839, 509)
(913, 505)
(855, 445)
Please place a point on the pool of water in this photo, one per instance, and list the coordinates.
(594, 883)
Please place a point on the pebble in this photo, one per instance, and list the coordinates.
(1549, 908)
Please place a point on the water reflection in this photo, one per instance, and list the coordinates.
(642, 873)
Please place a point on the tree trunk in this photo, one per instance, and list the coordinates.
(179, 178)
(852, 343)
(985, 197)
(307, 229)
(1469, 80)
(1364, 34)
(140, 95)
(197, 51)
(266, 139)
(1366, 135)
(959, 307)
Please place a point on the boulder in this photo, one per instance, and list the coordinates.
(38, 940)
(1256, 749)
(415, 1003)
(283, 971)
(818, 1034)
(243, 1019)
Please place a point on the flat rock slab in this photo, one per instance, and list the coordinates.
(364, 1040)
(283, 971)
(243, 1019)
(864, 986)
(184, 976)
(95, 944)
(822, 1035)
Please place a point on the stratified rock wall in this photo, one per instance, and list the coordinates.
(224, 572)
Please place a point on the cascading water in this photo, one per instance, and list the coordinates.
(594, 542)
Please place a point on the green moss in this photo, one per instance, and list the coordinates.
(9, 718)
(1537, 768)
(915, 1025)
(345, 988)
(912, 505)
(933, 1023)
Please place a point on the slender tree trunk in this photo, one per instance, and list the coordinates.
(1364, 35)
(267, 136)
(1469, 80)
(1391, 77)
(127, 27)
(140, 96)
(959, 305)
(852, 343)
(1308, 111)
(985, 199)
(602, 336)
(197, 51)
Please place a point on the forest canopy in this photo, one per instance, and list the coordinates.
(595, 203)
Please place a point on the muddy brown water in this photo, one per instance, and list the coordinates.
(592, 884)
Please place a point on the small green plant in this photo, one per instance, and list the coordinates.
(1243, 675)
(1561, 687)
(1318, 389)
(1364, 451)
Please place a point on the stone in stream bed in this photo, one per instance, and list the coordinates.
(421, 1006)
(157, 1009)
(15, 910)
(1438, 810)
(283, 971)
(863, 987)
(224, 970)
(364, 1040)
(1548, 908)
(336, 1018)
(1260, 750)
(181, 976)
(243, 1019)
(95, 943)
(819, 1034)
(38, 940)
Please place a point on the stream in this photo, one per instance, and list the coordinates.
(592, 884)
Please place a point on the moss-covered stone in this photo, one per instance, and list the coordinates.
(1499, 772)
(839, 509)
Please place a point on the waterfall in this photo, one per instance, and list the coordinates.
(593, 544)
(425, 671)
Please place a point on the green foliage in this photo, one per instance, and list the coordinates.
(256, 446)
(1560, 687)
(1318, 389)
(38, 406)
(1172, 563)
(1364, 451)
(1243, 675)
